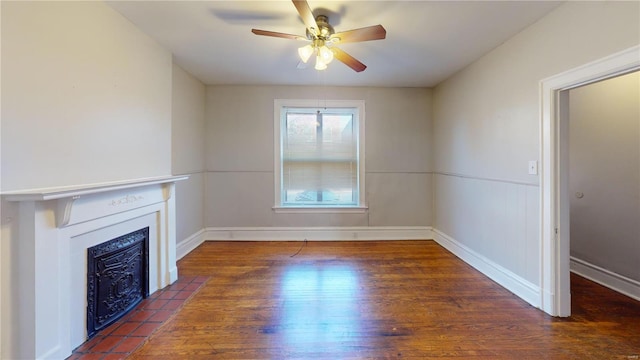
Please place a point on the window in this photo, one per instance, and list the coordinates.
(319, 162)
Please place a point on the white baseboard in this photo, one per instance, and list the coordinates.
(363, 233)
(187, 245)
(607, 278)
(173, 275)
(522, 288)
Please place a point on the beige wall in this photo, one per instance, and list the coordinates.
(486, 129)
(86, 98)
(239, 184)
(187, 151)
(604, 161)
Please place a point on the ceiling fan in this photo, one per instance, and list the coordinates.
(323, 39)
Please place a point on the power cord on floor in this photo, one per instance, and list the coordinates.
(302, 246)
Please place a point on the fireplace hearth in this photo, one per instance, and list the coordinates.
(117, 278)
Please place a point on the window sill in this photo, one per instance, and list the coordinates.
(320, 210)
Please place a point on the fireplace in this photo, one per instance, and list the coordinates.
(57, 227)
(117, 278)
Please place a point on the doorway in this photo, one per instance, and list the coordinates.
(604, 182)
(555, 295)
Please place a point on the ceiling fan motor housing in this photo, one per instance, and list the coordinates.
(325, 30)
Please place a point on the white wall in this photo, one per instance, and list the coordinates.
(86, 98)
(239, 186)
(187, 151)
(486, 129)
(604, 165)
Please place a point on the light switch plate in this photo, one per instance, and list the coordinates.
(533, 167)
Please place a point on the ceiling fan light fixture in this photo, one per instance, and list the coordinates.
(320, 65)
(305, 53)
(326, 54)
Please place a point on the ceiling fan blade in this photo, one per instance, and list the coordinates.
(278, 34)
(307, 16)
(348, 60)
(376, 32)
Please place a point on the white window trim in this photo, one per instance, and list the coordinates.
(278, 104)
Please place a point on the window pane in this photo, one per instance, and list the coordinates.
(328, 197)
(319, 158)
(337, 179)
(301, 137)
(338, 141)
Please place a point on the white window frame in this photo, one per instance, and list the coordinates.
(278, 122)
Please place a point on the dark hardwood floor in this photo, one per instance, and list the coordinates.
(377, 300)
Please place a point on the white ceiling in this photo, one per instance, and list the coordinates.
(427, 41)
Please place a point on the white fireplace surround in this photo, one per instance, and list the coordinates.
(56, 226)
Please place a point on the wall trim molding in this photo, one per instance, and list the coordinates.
(337, 233)
(606, 278)
(482, 178)
(522, 288)
(189, 244)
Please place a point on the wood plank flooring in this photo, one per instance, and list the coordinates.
(377, 300)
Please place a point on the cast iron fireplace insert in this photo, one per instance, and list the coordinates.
(117, 278)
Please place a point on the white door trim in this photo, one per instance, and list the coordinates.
(554, 223)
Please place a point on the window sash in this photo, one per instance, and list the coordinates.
(319, 168)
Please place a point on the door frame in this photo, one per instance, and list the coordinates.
(555, 295)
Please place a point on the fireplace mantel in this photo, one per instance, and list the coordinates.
(76, 191)
(67, 196)
(55, 227)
